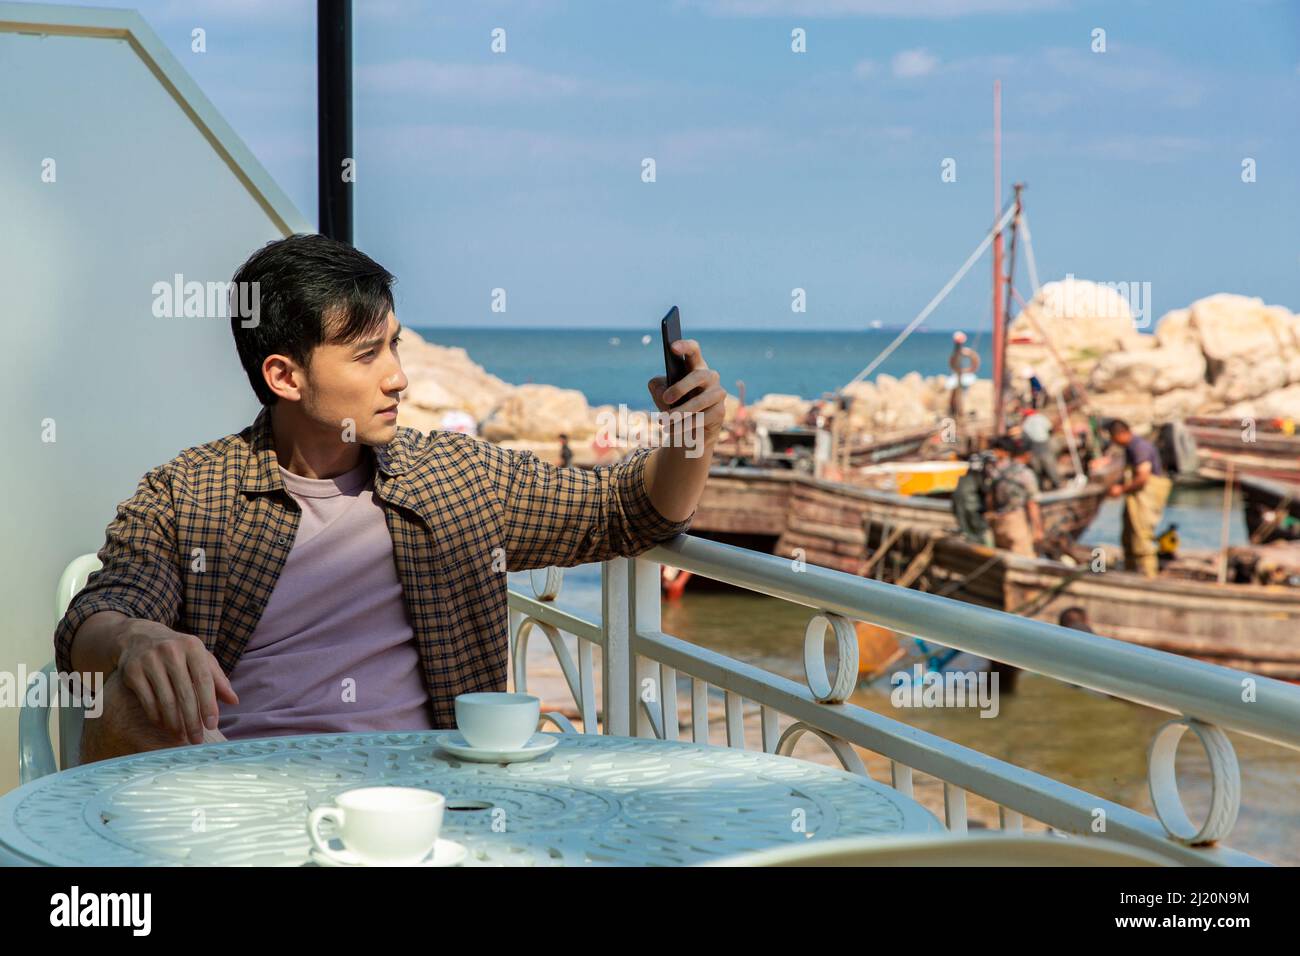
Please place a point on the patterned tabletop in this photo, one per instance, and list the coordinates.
(592, 800)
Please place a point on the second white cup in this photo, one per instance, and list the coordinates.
(497, 721)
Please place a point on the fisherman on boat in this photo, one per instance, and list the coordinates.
(964, 362)
(1037, 430)
(969, 497)
(1013, 512)
(1146, 491)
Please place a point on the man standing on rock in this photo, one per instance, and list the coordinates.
(964, 362)
(326, 570)
(1146, 491)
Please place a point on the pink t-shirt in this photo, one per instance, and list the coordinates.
(334, 651)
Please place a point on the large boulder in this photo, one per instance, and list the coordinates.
(1181, 403)
(782, 404)
(1085, 321)
(1235, 326)
(445, 379)
(1241, 377)
(1154, 370)
(1175, 329)
(1283, 403)
(1136, 408)
(539, 412)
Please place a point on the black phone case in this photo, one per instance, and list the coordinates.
(670, 329)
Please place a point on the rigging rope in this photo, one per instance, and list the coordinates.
(943, 294)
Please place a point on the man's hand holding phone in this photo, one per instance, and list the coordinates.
(689, 386)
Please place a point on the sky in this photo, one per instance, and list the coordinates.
(777, 170)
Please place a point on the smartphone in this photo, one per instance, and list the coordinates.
(670, 329)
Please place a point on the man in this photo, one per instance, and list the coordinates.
(1075, 618)
(1146, 491)
(1015, 518)
(1038, 432)
(970, 496)
(1037, 394)
(963, 363)
(326, 570)
(566, 453)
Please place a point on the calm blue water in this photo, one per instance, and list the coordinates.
(793, 363)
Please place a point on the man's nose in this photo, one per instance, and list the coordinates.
(397, 380)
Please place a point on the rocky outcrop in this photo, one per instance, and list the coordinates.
(1221, 354)
(1224, 354)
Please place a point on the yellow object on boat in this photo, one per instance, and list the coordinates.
(919, 477)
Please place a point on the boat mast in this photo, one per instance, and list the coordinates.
(999, 346)
(1006, 313)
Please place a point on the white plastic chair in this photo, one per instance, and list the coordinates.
(982, 849)
(35, 748)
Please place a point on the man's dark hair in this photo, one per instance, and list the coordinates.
(1118, 425)
(311, 291)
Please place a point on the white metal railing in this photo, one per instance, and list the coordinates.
(636, 655)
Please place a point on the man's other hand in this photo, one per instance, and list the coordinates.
(175, 678)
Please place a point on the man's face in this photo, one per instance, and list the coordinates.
(1122, 437)
(357, 382)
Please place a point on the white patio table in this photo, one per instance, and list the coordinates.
(592, 800)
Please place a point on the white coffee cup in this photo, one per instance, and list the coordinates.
(382, 826)
(492, 721)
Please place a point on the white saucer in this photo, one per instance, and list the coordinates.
(456, 744)
(445, 853)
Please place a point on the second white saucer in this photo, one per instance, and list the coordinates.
(457, 745)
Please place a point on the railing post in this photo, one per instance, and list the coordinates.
(645, 607)
(516, 618)
(615, 660)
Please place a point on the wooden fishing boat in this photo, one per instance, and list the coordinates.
(1263, 448)
(906, 443)
(1268, 505)
(779, 510)
(798, 446)
(1252, 627)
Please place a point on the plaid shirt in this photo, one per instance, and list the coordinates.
(202, 542)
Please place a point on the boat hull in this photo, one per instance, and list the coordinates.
(1250, 627)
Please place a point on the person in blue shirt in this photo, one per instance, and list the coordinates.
(1146, 492)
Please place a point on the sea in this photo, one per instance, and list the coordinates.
(611, 366)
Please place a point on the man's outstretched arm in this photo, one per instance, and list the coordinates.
(560, 517)
(676, 473)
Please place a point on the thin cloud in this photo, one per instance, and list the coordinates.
(910, 64)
